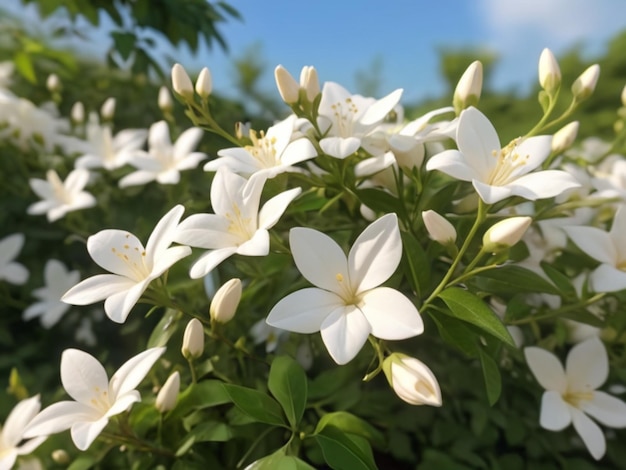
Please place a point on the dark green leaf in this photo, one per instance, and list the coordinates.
(512, 280)
(377, 200)
(204, 394)
(164, 330)
(456, 333)
(345, 451)
(352, 424)
(560, 280)
(279, 461)
(124, 43)
(491, 375)
(288, 384)
(255, 404)
(583, 316)
(415, 263)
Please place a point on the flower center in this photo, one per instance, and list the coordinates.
(344, 113)
(575, 398)
(263, 149)
(346, 292)
(508, 161)
(100, 400)
(133, 255)
(242, 227)
(58, 188)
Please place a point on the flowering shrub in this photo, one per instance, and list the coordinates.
(446, 271)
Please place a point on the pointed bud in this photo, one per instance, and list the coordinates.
(107, 111)
(309, 82)
(165, 100)
(439, 229)
(287, 86)
(78, 113)
(181, 83)
(193, 339)
(412, 380)
(549, 71)
(204, 83)
(565, 137)
(225, 302)
(53, 84)
(586, 83)
(167, 396)
(505, 234)
(467, 92)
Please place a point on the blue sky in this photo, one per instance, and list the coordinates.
(340, 37)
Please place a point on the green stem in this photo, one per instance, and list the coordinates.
(379, 355)
(560, 311)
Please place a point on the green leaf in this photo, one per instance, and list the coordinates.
(164, 330)
(456, 333)
(288, 383)
(470, 308)
(560, 280)
(255, 404)
(211, 431)
(512, 280)
(583, 316)
(491, 375)
(352, 424)
(378, 200)
(24, 65)
(83, 462)
(345, 451)
(124, 43)
(204, 394)
(279, 461)
(415, 263)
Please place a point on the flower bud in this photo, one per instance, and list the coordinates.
(60, 456)
(309, 82)
(193, 339)
(167, 396)
(412, 380)
(165, 100)
(467, 92)
(439, 229)
(108, 109)
(204, 83)
(287, 86)
(53, 84)
(181, 83)
(78, 113)
(623, 96)
(505, 234)
(586, 83)
(565, 137)
(549, 71)
(225, 302)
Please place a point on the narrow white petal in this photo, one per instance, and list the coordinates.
(163, 234)
(546, 368)
(379, 110)
(97, 288)
(59, 417)
(594, 242)
(590, 433)
(76, 180)
(534, 151)
(344, 333)
(391, 314)
(273, 209)
(340, 147)
(258, 245)
(168, 258)
(491, 194)
(123, 403)
(82, 375)
(133, 371)
(304, 311)
(187, 142)
(543, 184)
(606, 278)
(30, 445)
(453, 163)
(207, 231)
(477, 139)
(170, 176)
(605, 408)
(118, 306)
(15, 273)
(298, 151)
(208, 261)
(10, 247)
(137, 178)
(555, 413)
(85, 432)
(587, 365)
(18, 418)
(226, 190)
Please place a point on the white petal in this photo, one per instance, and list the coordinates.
(594, 242)
(10, 247)
(340, 147)
(258, 245)
(116, 251)
(85, 432)
(29, 446)
(304, 311)
(170, 176)
(587, 365)
(133, 371)
(375, 254)
(298, 151)
(555, 413)
(137, 178)
(19, 417)
(187, 142)
(123, 403)
(543, 184)
(344, 333)
(379, 110)
(97, 288)
(15, 273)
(391, 314)
(491, 194)
(163, 234)
(453, 163)
(82, 375)
(605, 408)
(226, 190)
(118, 306)
(59, 417)
(546, 368)
(76, 180)
(534, 151)
(320, 260)
(606, 278)
(273, 209)
(168, 258)
(477, 139)
(373, 165)
(590, 433)
(207, 231)
(208, 261)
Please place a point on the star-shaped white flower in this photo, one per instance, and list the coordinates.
(60, 197)
(50, 308)
(609, 248)
(12, 441)
(96, 399)
(164, 161)
(571, 394)
(12, 271)
(347, 305)
(271, 153)
(346, 118)
(132, 265)
(238, 226)
(496, 172)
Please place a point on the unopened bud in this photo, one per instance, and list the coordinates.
(505, 234)
(78, 113)
(165, 100)
(204, 83)
(107, 111)
(309, 82)
(439, 229)
(193, 339)
(287, 86)
(467, 92)
(181, 83)
(412, 380)
(60, 456)
(565, 137)
(584, 85)
(549, 71)
(623, 96)
(53, 84)
(225, 302)
(167, 396)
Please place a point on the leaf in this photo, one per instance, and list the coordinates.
(470, 308)
(255, 404)
(583, 316)
(345, 451)
(211, 431)
(24, 65)
(513, 280)
(349, 423)
(83, 462)
(288, 383)
(378, 200)
(197, 396)
(491, 375)
(415, 263)
(560, 280)
(124, 43)
(455, 332)
(164, 330)
(279, 461)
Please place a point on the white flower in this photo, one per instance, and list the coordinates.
(412, 380)
(132, 265)
(163, 161)
(496, 172)
(238, 226)
(571, 394)
(609, 248)
(11, 271)
(271, 153)
(50, 308)
(60, 197)
(96, 398)
(12, 441)
(347, 118)
(347, 305)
